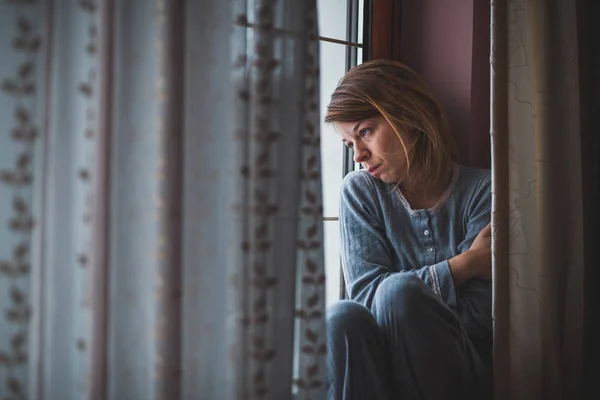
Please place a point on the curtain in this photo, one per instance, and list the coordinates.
(537, 211)
(160, 200)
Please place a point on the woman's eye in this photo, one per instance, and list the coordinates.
(364, 132)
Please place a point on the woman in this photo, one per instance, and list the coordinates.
(416, 248)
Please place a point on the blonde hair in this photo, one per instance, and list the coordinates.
(392, 90)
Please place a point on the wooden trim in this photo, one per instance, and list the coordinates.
(589, 81)
(386, 18)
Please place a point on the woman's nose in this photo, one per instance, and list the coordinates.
(360, 154)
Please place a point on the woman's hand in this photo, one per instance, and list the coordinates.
(481, 254)
(475, 262)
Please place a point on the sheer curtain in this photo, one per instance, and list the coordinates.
(537, 200)
(160, 200)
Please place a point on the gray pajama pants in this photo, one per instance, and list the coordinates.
(410, 345)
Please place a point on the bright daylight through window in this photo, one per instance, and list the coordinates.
(341, 30)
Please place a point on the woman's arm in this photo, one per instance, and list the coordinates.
(366, 252)
(471, 268)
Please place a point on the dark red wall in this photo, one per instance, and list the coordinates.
(447, 42)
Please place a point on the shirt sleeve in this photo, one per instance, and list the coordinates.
(473, 300)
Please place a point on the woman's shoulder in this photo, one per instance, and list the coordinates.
(474, 188)
(474, 179)
(362, 183)
(361, 190)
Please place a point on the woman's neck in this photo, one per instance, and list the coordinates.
(426, 195)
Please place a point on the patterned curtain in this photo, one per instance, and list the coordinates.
(537, 211)
(160, 200)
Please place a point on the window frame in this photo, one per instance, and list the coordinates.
(385, 29)
(381, 40)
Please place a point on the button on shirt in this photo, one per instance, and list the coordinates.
(382, 235)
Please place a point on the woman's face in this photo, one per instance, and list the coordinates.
(377, 147)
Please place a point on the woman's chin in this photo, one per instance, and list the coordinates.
(389, 179)
(383, 174)
(386, 179)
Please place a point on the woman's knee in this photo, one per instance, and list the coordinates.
(346, 315)
(402, 295)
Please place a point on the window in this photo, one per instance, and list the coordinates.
(341, 30)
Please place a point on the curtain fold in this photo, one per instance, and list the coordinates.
(160, 200)
(537, 208)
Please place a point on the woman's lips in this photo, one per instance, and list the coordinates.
(373, 169)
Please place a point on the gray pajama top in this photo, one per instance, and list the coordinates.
(381, 236)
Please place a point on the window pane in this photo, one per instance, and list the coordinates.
(333, 67)
(331, 233)
(332, 18)
(361, 25)
(361, 19)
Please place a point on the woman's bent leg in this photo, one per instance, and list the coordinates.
(432, 357)
(357, 359)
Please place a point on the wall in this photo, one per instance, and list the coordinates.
(447, 42)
